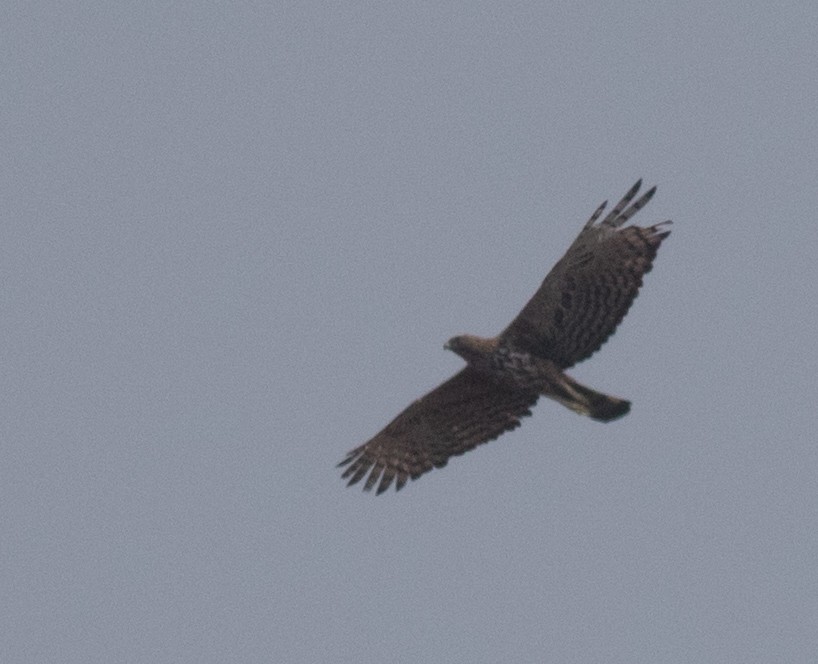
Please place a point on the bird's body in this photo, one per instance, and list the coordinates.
(575, 310)
(497, 361)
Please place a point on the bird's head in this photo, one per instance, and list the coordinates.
(469, 347)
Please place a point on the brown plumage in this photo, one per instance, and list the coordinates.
(578, 306)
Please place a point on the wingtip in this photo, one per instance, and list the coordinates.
(661, 229)
(633, 190)
(597, 214)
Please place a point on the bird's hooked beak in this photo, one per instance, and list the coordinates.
(453, 345)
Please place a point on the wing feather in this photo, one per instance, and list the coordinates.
(465, 411)
(588, 292)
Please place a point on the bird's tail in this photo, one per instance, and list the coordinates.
(585, 401)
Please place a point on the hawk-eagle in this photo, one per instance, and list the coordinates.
(577, 307)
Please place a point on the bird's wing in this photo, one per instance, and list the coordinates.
(588, 292)
(465, 411)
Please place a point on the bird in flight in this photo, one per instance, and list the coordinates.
(578, 306)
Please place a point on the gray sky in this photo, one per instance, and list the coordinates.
(234, 240)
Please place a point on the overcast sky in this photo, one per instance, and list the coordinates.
(235, 238)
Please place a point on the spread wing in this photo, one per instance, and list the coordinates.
(465, 411)
(589, 291)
